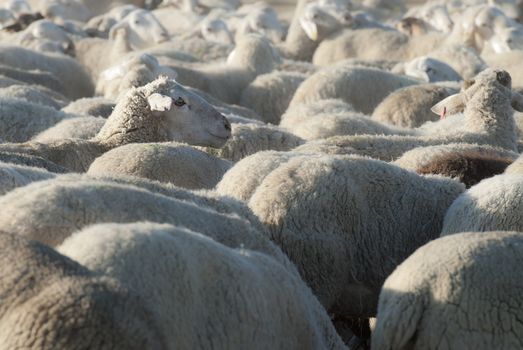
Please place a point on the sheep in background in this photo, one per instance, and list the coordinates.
(178, 164)
(13, 176)
(331, 213)
(134, 71)
(300, 112)
(82, 310)
(282, 305)
(91, 106)
(31, 161)
(247, 139)
(45, 36)
(70, 74)
(156, 112)
(428, 69)
(488, 119)
(362, 88)
(99, 26)
(34, 94)
(469, 276)
(34, 77)
(410, 107)
(269, 94)
(252, 57)
(84, 128)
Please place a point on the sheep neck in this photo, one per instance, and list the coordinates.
(489, 112)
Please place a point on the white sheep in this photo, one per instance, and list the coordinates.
(34, 77)
(473, 210)
(178, 164)
(44, 34)
(244, 290)
(91, 106)
(269, 94)
(252, 56)
(159, 111)
(62, 10)
(430, 70)
(71, 75)
(27, 213)
(35, 94)
(300, 112)
(81, 309)
(247, 139)
(134, 71)
(410, 106)
(100, 25)
(362, 88)
(13, 176)
(330, 213)
(488, 119)
(31, 161)
(460, 291)
(85, 128)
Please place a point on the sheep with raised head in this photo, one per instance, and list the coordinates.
(159, 111)
(151, 259)
(460, 291)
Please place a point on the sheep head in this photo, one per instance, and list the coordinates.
(164, 110)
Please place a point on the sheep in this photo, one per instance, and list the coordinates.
(99, 26)
(136, 253)
(62, 10)
(138, 30)
(49, 301)
(269, 94)
(34, 77)
(467, 167)
(430, 70)
(247, 139)
(461, 291)
(71, 128)
(413, 26)
(134, 71)
(21, 120)
(264, 21)
(488, 119)
(75, 80)
(12, 176)
(362, 88)
(300, 112)
(91, 106)
(335, 210)
(159, 111)
(410, 106)
(423, 156)
(45, 36)
(464, 60)
(101, 201)
(516, 167)
(511, 62)
(178, 164)
(473, 210)
(35, 94)
(252, 56)
(31, 161)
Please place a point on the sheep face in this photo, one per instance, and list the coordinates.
(506, 40)
(189, 118)
(141, 30)
(216, 31)
(319, 21)
(431, 70)
(266, 23)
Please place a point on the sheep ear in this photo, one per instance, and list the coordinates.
(450, 105)
(119, 27)
(159, 103)
(517, 101)
(310, 28)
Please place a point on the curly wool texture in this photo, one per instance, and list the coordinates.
(34, 77)
(35, 94)
(191, 282)
(300, 112)
(493, 204)
(31, 161)
(179, 164)
(72, 205)
(52, 302)
(329, 213)
(410, 106)
(269, 95)
(458, 292)
(362, 88)
(247, 139)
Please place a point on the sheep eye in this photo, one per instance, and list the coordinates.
(179, 102)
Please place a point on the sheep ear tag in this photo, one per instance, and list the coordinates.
(449, 106)
(159, 103)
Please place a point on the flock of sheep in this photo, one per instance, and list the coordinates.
(207, 174)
